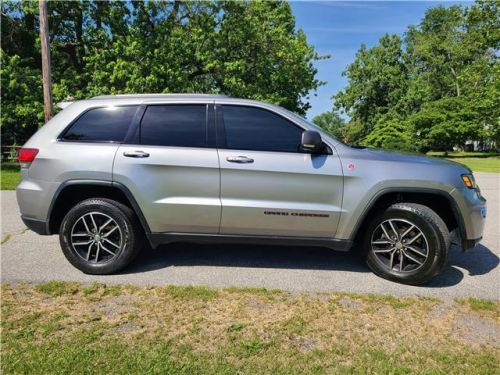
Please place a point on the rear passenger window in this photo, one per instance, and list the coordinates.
(107, 124)
(175, 125)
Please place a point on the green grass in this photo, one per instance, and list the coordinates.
(491, 164)
(462, 154)
(10, 176)
(477, 161)
(56, 328)
(190, 292)
(57, 288)
(479, 304)
(6, 238)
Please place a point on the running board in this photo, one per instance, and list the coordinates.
(157, 239)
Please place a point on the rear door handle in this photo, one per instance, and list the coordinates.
(239, 159)
(136, 154)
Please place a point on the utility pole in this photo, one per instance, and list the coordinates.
(46, 73)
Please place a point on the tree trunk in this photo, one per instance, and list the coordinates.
(457, 86)
(46, 74)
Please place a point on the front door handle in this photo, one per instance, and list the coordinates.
(136, 154)
(239, 159)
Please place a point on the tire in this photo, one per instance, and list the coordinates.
(424, 254)
(122, 237)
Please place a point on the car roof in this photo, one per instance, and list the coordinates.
(137, 99)
(162, 96)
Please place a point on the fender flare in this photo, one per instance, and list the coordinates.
(113, 184)
(454, 206)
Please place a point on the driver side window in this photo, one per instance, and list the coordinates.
(249, 128)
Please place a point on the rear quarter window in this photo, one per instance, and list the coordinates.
(106, 124)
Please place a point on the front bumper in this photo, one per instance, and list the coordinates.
(472, 211)
(469, 244)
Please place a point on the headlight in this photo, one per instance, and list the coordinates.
(469, 181)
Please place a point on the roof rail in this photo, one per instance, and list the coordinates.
(64, 104)
(170, 95)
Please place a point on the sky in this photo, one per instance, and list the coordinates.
(338, 28)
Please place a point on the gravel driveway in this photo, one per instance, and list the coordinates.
(27, 257)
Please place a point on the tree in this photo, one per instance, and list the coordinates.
(436, 87)
(246, 49)
(392, 133)
(331, 122)
(377, 82)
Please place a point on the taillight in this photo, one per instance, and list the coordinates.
(27, 155)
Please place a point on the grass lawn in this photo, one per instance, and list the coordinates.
(491, 164)
(462, 154)
(10, 177)
(72, 328)
(477, 161)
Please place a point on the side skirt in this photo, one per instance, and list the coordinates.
(157, 239)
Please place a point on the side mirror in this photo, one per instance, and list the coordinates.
(312, 142)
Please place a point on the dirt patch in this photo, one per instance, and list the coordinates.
(476, 330)
(114, 306)
(303, 344)
(349, 303)
(127, 327)
(257, 304)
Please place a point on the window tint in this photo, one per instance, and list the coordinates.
(258, 129)
(175, 125)
(108, 124)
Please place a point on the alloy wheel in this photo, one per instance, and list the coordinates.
(96, 237)
(399, 245)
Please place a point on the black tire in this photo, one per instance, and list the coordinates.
(129, 232)
(434, 235)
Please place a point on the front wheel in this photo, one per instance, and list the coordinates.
(100, 236)
(407, 243)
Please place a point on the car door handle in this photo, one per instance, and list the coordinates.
(239, 159)
(136, 154)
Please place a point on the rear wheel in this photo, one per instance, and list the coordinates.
(407, 243)
(100, 236)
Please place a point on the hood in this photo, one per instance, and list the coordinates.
(407, 157)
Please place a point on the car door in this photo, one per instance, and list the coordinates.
(172, 169)
(269, 186)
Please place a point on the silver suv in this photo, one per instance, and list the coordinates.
(114, 173)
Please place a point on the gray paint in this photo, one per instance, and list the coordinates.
(198, 191)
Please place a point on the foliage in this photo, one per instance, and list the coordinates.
(331, 122)
(377, 82)
(437, 86)
(22, 100)
(246, 49)
(391, 133)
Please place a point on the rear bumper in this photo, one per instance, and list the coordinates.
(36, 226)
(34, 198)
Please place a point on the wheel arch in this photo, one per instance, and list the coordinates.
(73, 191)
(438, 200)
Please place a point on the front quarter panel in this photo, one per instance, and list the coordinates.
(368, 175)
